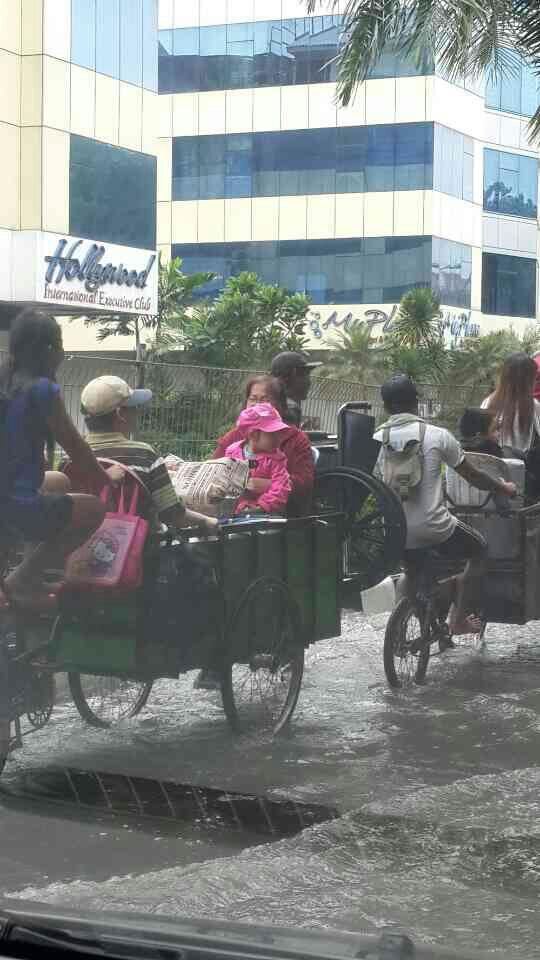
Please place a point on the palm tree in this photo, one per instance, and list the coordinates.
(353, 355)
(465, 37)
(417, 324)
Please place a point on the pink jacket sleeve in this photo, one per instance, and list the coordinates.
(275, 498)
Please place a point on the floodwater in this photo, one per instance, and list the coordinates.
(436, 789)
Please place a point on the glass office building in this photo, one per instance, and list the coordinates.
(419, 181)
(78, 132)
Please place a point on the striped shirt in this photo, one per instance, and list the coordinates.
(142, 458)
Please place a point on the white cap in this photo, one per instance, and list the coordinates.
(105, 394)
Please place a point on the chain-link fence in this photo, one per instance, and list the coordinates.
(195, 405)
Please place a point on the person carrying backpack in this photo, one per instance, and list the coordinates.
(411, 463)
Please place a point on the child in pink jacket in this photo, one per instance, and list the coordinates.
(269, 483)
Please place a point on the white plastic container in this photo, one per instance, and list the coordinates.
(379, 599)
(461, 494)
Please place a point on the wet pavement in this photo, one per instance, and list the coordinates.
(436, 789)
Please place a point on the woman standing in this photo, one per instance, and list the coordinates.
(517, 415)
(295, 445)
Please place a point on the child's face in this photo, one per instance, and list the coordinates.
(261, 442)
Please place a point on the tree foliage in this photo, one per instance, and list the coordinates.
(176, 294)
(245, 326)
(464, 37)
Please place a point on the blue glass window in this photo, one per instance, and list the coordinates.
(112, 194)
(510, 183)
(108, 36)
(119, 38)
(83, 33)
(517, 90)
(453, 163)
(508, 285)
(265, 53)
(131, 41)
(296, 162)
(351, 270)
(149, 45)
(451, 272)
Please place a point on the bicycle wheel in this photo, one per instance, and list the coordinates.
(375, 527)
(104, 701)
(261, 681)
(406, 646)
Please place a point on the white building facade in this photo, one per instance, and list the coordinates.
(78, 133)
(418, 182)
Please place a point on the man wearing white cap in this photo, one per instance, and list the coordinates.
(110, 408)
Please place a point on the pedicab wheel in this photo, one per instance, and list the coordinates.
(375, 528)
(262, 676)
(44, 695)
(104, 701)
(406, 648)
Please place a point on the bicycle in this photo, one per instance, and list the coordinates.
(420, 619)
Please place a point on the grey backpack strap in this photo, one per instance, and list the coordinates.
(386, 436)
(423, 428)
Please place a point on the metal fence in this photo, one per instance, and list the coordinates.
(195, 405)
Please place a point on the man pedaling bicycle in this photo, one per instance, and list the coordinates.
(430, 525)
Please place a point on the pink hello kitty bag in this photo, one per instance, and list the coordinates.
(113, 557)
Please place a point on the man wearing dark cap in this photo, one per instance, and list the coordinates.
(430, 525)
(293, 370)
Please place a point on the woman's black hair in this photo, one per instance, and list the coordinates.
(34, 335)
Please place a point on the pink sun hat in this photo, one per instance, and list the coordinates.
(261, 416)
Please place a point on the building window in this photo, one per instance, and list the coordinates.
(453, 160)
(508, 285)
(517, 90)
(510, 184)
(117, 38)
(355, 270)
(261, 54)
(296, 162)
(112, 194)
(451, 270)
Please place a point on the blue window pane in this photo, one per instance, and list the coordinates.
(453, 163)
(353, 270)
(508, 285)
(104, 178)
(268, 55)
(150, 48)
(212, 166)
(108, 37)
(183, 74)
(510, 184)
(275, 52)
(451, 272)
(318, 161)
(214, 62)
(131, 41)
(516, 90)
(83, 33)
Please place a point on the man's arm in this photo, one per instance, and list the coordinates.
(483, 481)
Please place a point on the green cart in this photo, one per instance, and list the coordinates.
(244, 605)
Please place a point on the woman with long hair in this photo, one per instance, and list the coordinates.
(35, 506)
(295, 445)
(512, 403)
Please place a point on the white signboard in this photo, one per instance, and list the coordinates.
(324, 321)
(87, 276)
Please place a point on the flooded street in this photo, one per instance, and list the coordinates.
(436, 789)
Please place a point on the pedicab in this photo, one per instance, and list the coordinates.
(511, 529)
(245, 604)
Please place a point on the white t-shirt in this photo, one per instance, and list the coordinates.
(517, 439)
(429, 521)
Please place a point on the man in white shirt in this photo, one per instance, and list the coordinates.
(430, 525)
